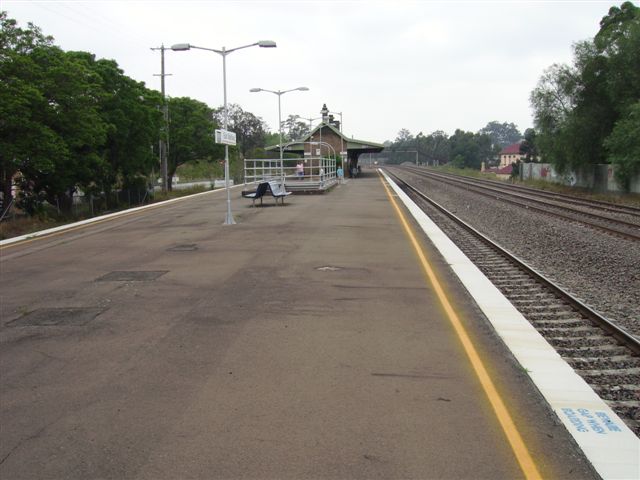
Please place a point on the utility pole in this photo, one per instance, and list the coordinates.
(164, 137)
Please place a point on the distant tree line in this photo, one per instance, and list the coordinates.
(69, 122)
(462, 149)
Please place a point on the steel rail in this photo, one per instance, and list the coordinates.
(501, 195)
(531, 196)
(595, 204)
(619, 333)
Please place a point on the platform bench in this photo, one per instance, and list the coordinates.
(258, 194)
(278, 191)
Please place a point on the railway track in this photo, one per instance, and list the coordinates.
(605, 355)
(618, 220)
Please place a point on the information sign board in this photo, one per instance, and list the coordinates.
(225, 137)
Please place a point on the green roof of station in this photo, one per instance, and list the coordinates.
(351, 143)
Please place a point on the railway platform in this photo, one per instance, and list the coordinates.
(306, 341)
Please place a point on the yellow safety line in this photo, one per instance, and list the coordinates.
(506, 422)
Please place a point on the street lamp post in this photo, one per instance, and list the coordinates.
(224, 52)
(310, 120)
(279, 93)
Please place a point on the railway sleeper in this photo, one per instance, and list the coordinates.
(542, 306)
(505, 272)
(497, 263)
(510, 279)
(627, 372)
(624, 404)
(550, 323)
(616, 387)
(475, 248)
(620, 367)
(608, 347)
(537, 295)
(570, 343)
(510, 290)
(537, 316)
(625, 360)
(515, 281)
(619, 396)
(501, 268)
(573, 333)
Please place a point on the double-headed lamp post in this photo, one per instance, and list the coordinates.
(310, 120)
(224, 52)
(279, 93)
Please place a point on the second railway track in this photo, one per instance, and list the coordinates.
(622, 221)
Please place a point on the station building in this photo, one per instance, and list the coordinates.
(327, 139)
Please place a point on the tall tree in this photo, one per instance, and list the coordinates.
(294, 128)
(22, 134)
(502, 134)
(404, 139)
(51, 130)
(133, 120)
(250, 130)
(529, 146)
(433, 148)
(623, 145)
(191, 128)
(469, 150)
(577, 108)
(553, 100)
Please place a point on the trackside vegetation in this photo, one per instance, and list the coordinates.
(72, 124)
(584, 114)
(589, 112)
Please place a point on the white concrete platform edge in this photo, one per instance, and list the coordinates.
(49, 231)
(610, 446)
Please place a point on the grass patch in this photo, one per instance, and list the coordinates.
(15, 227)
(192, 171)
(465, 172)
(23, 224)
(162, 196)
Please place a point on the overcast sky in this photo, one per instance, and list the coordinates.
(386, 65)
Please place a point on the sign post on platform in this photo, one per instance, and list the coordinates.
(225, 137)
(224, 52)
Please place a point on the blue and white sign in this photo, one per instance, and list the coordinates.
(585, 420)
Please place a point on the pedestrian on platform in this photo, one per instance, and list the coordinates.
(300, 170)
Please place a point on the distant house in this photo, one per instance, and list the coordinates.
(510, 154)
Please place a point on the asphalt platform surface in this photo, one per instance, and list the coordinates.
(303, 342)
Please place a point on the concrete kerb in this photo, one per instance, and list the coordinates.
(69, 226)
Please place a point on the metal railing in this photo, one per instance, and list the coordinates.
(311, 172)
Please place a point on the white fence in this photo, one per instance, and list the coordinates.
(312, 173)
(600, 178)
